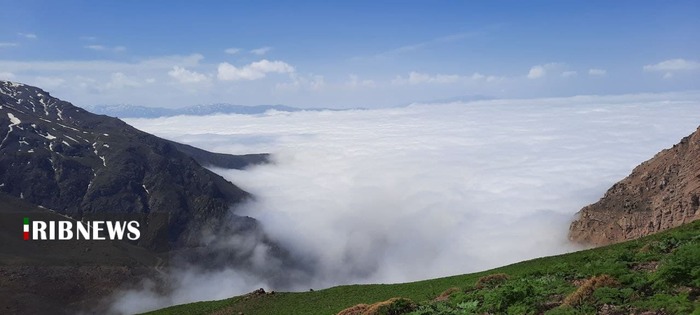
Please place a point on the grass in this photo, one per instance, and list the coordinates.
(656, 273)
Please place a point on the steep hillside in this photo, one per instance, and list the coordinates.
(661, 193)
(63, 158)
(58, 161)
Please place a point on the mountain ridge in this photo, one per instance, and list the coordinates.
(64, 158)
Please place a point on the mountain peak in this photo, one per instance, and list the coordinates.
(61, 157)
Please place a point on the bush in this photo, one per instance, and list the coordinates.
(358, 309)
(607, 295)
(671, 304)
(563, 310)
(492, 280)
(445, 295)
(394, 306)
(587, 288)
(524, 293)
(682, 267)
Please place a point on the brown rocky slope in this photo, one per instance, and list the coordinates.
(661, 193)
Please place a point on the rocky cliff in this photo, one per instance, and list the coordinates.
(661, 193)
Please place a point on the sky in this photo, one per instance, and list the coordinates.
(423, 191)
(346, 54)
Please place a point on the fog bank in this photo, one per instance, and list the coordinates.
(403, 194)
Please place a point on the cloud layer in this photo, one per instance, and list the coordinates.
(430, 190)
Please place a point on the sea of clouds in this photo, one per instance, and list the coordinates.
(428, 190)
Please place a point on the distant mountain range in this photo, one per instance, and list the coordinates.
(136, 111)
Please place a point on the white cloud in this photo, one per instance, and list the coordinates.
(232, 51)
(254, 71)
(568, 74)
(536, 72)
(27, 35)
(476, 76)
(8, 45)
(540, 71)
(186, 76)
(420, 78)
(354, 81)
(48, 81)
(383, 196)
(96, 47)
(311, 82)
(105, 48)
(9, 76)
(597, 72)
(120, 80)
(673, 65)
(260, 51)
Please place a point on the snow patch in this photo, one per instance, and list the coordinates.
(48, 136)
(64, 126)
(46, 110)
(14, 120)
(71, 138)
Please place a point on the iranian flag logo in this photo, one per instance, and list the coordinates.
(26, 229)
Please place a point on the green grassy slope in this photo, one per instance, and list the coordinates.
(659, 272)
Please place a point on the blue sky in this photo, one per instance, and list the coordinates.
(346, 54)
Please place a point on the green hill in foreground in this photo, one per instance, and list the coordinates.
(658, 274)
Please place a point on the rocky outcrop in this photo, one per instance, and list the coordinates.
(660, 194)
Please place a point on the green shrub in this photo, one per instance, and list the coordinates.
(682, 267)
(615, 296)
(673, 304)
(562, 310)
(492, 280)
(524, 293)
(396, 306)
(520, 309)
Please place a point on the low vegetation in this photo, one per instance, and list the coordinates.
(659, 273)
